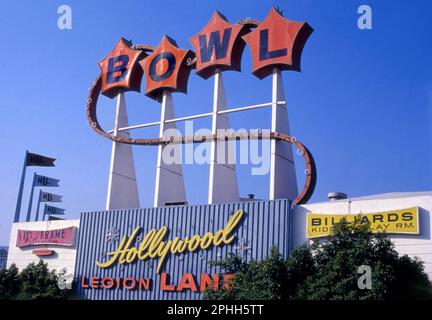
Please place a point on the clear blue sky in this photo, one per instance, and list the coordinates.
(362, 103)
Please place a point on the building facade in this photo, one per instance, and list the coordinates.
(164, 252)
(3, 257)
(416, 244)
(54, 242)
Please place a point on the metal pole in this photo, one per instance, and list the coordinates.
(20, 192)
(38, 206)
(31, 198)
(120, 97)
(283, 180)
(43, 216)
(169, 186)
(122, 185)
(223, 186)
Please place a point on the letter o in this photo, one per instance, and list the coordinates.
(131, 255)
(131, 286)
(194, 242)
(206, 240)
(171, 66)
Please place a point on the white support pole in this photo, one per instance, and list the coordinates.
(122, 184)
(169, 186)
(283, 181)
(223, 186)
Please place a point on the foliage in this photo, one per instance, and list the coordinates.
(35, 281)
(9, 282)
(328, 269)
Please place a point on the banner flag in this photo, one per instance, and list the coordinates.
(43, 181)
(34, 159)
(50, 197)
(48, 210)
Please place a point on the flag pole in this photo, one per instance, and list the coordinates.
(38, 206)
(20, 192)
(43, 216)
(31, 198)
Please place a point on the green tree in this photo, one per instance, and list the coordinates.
(338, 257)
(265, 280)
(38, 282)
(9, 282)
(329, 269)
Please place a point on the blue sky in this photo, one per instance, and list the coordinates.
(362, 103)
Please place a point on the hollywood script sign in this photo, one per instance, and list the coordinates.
(154, 245)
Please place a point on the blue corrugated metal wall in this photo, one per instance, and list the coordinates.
(265, 223)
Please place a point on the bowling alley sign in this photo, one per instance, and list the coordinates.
(276, 42)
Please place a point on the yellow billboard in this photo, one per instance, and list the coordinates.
(403, 221)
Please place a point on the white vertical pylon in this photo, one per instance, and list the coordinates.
(223, 185)
(283, 180)
(122, 184)
(169, 176)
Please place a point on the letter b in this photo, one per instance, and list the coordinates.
(117, 68)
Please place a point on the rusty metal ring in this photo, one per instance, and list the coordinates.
(310, 171)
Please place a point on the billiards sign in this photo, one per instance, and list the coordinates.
(404, 221)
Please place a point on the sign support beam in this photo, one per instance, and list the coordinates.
(169, 187)
(122, 183)
(283, 181)
(223, 186)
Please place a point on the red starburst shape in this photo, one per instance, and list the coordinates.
(166, 69)
(218, 46)
(120, 71)
(277, 43)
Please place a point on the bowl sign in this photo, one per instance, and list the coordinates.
(275, 43)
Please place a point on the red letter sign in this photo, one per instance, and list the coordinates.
(166, 69)
(120, 71)
(277, 42)
(218, 45)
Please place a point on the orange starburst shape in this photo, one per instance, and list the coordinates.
(277, 43)
(218, 46)
(166, 69)
(120, 70)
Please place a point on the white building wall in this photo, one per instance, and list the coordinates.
(64, 257)
(414, 245)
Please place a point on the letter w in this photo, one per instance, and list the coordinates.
(214, 42)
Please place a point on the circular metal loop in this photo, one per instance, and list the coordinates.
(311, 173)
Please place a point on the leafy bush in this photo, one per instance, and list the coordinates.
(33, 282)
(328, 270)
